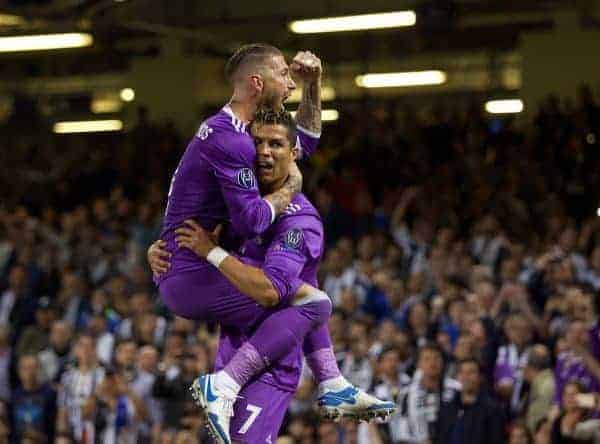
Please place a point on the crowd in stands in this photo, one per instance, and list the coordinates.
(463, 262)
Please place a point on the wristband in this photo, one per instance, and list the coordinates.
(216, 256)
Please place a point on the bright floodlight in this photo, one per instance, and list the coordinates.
(598, 212)
(45, 41)
(354, 22)
(508, 106)
(327, 93)
(127, 95)
(327, 115)
(401, 79)
(87, 126)
(10, 20)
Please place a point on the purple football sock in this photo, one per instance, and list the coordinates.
(245, 364)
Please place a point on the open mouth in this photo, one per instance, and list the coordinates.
(264, 166)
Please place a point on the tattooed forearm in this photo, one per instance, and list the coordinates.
(309, 110)
(281, 198)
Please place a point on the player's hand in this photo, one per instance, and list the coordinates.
(158, 257)
(306, 66)
(195, 238)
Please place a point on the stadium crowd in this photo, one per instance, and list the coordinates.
(463, 262)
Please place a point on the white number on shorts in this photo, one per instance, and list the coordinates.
(255, 411)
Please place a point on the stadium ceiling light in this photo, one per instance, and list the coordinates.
(104, 105)
(327, 94)
(401, 79)
(87, 126)
(127, 95)
(508, 106)
(45, 41)
(327, 115)
(383, 20)
(10, 20)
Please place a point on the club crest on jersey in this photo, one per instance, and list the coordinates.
(245, 178)
(293, 239)
(204, 131)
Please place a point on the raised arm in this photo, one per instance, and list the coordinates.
(308, 69)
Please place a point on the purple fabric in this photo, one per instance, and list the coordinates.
(570, 367)
(215, 182)
(270, 403)
(245, 364)
(307, 143)
(317, 339)
(595, 340)
(286, 329)
(323, 365)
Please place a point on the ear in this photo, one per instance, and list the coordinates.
(257, 82)
(295, 153)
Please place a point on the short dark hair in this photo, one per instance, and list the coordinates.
(251, 53)
(539, 358)
(267, 116)
(432, 347)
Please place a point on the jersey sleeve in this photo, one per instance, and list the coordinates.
(307, 141)
(250, 214)
(287, 255)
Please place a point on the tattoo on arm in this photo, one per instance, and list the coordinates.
(309, 110)
(281, 198)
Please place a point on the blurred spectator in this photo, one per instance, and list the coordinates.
(539, 375)
(17, 306)
(419, 401)
(576, 363)
(471, 416)
(32, 405)
(77, 385)
(35, 337)
(572, 424)
(54, 358)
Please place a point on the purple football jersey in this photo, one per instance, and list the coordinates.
(291, 248)
(570, 367)
(215, 182)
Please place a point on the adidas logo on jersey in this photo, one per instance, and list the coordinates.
(292, 208)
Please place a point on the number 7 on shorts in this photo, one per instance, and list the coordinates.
(254, 412)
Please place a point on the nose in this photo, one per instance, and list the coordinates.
(262, 149)
(291, 84)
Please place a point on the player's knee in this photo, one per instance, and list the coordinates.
(316, 296)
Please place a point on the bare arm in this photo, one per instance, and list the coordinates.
(308, 68)
(281, 198)
(251, 281)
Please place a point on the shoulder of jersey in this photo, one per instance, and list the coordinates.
(300, 205)
(222, 122)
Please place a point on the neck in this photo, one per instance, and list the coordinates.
(243, 109)
(430, 383)
(273, 186)
(468, 398)
(29, 385)
(85, 367)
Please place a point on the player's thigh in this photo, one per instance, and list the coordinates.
(199, 295)
(258, 414)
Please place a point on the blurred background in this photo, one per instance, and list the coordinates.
(458, 178)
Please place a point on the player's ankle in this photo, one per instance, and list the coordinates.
(226, 385)
(333, 384)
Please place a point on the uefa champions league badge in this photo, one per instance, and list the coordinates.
(245, 178)
(293, 239)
